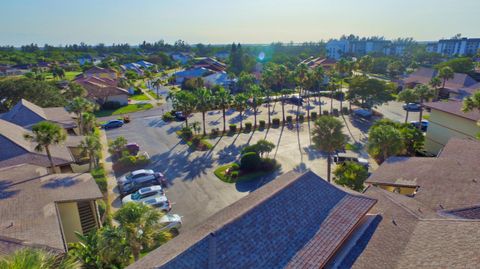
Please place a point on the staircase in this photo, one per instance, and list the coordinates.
(87, 217)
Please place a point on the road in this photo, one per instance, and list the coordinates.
(393, 110)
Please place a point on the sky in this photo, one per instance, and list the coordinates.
(60, 22)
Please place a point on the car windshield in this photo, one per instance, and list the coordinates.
(136, 196)
(128, 176)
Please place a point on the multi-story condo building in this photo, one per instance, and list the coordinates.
(455, 46)
(339, 48)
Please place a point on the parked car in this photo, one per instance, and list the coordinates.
(170, 222)
(363, 113)
(143, 194)
(112, 124)
(139, 179)
(179, 116)
(294, 100)
(159, 202)
(133, 148)
(140, 175)
(342, 157)
(412, 107)
(423, 123)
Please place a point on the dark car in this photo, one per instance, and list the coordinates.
(179, 116)
(133, 148)
(294, 100)
(412, 107)
(134, 186)
(112, 124)
(424, 125)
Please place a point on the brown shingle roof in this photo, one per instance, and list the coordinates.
(17, 150)
(100, 88)
(26, 114)
(297, 220)
(454, 107)
(28, 204)
(459, 83)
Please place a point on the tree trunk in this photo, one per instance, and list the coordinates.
(283, 110)
(255, 117)
(136, 254)
(319, 105)
(203, 119)
(90, 162)
(186, 121)
(268, 106)
(224, 121)
(49, 155)
(241, 119)
(420, 115)
(406, 117)
(308, 107)
(329, 167)
(80, 127)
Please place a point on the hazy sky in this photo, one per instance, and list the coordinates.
(224, 21)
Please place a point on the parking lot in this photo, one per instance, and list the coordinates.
(194, 190)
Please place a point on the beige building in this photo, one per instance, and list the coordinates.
(446, 121)
(43, 210)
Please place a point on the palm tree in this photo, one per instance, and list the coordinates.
(240, 103)
(80, 105)
(224, 99)
(329, 137)
(332, 87)
(435, 83)
(407, 96)
(204, 100)
(91, 147)
(183, 101)
(301, 77)
(384, 141)
(446, 73)
(138, 221)
(472, 102)
(284, 93)
(319, 76)
(256, 100)
(268, 94)
(424, 93)
(89, 120)
(156, 84)
(36, 258)
(45, 134)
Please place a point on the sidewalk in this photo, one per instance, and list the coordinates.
(112, 192)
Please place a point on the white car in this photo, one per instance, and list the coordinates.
(170, 222)
(160, 202)
(144, 194)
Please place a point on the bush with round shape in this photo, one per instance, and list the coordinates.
(335, 112)
(168, 117)
(314, 115)
(345, 111)
(289, 118)
(250, 161)
(301, 118)
(248, 126)
(262, 124)
(275, 122)
(233, 128)
(325, 113)
(186, 132)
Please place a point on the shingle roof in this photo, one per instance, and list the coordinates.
(410, 239)
(297, 221)
(16, 149)
(457, 175)
(28, 204)
(424, 75)
(26, 114)
(100, 87)
(454, 107)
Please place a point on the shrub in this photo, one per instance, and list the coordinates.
(262, 124)
(313, 115)
(301, 118)
(196, 140)
(215, 132)
(248, 126)
(345, 110)
(235, 167)
(250, 148)
(276, 122)
(233, 128)
(168, 116)
(268, 164)
(234, 174)
(250, 161)
(335, 112)
(186, 133)
(129, 161)
(99, 175)
(289, 118)
(325, 112)
(111, 105)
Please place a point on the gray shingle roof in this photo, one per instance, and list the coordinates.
(28, 203)
(296, 221)
(454, 107)
(26, 114)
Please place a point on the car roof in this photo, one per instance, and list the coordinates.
(170, 217)
(156, 199)
(142, 171)
(150, 189)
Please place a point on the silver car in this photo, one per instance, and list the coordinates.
(170, 222)
(144, 194)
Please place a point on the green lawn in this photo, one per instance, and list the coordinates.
(124, 110)
(154, 94)
(69, 75)
(140, 97)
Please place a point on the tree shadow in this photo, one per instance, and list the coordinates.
(198, 166)
(4, 192)
(249, 186)
(313, 153)
(278, 142)
(229, 154)
(361, 123)
(301, 168)
(60, 183)
(173, 129)
(159, 123)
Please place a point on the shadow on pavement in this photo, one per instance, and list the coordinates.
(249, 186)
